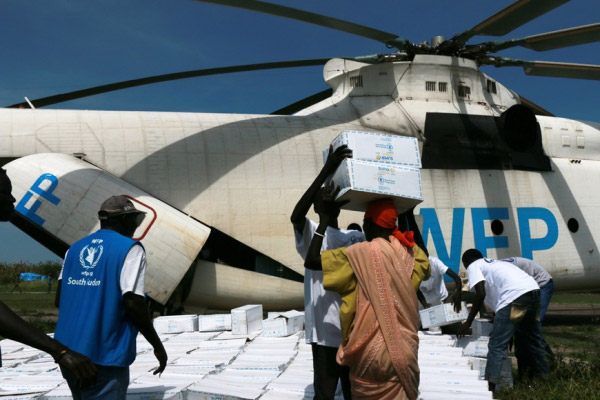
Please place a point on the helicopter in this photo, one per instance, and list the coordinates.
(498, 175)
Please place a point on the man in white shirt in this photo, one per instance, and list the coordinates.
(541, 276)
(515, 298)
(433, 290)
(322, 307)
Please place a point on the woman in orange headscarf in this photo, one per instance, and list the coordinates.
(379, 312)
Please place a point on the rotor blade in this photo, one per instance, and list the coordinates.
(553, 69)
(304, 103)
(78, 94)
(553, 40)
(538, 110)
(509, 19)
(316, 19)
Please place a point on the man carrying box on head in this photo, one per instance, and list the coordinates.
(515, 298)
(322, 307)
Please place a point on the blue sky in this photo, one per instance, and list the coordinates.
(57, 46)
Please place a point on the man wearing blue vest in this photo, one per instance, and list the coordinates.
(101, 301)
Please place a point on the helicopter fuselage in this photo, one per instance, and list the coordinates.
(241, 175)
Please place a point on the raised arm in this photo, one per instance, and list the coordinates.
(334, 159)
(313, 256)
(328, 211)
(477, 303)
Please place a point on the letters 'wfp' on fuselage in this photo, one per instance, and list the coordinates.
(435, 237)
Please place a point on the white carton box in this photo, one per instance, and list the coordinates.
(214, 322)
(246, 319)
(176, 324)
(474, 346)
(442, 315)
(482, 327)
(364, 181)
(283, 324)
(379, 147)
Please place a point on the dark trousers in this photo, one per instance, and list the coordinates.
(327, 372)
(529, 344)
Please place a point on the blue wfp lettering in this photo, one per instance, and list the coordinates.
(432, 227)
(37, 189)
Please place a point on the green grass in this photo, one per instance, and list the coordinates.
(574, 339)
(30, 303)
(592, 298)
(571, 378)
(33, 302)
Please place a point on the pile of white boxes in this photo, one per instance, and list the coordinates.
(246, 320)
(382, 166)
(218, 364)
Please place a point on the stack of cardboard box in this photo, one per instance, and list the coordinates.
(382, 166)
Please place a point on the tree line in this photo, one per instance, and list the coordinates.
(9, 271)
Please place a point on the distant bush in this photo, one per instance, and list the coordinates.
(9, 271)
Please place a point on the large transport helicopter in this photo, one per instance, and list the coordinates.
(499, 173)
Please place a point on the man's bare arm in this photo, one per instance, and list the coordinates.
(137, 311)
(479, 297)
(458, 293)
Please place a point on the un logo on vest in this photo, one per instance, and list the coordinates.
(90, 255)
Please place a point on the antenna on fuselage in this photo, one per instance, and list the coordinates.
(28, 102)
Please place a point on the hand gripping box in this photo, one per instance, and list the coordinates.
(379, 147)
(246, 319)
(283, 324)
(364, 181)
(442, 315)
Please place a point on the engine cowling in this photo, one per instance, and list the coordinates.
(519, 128)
